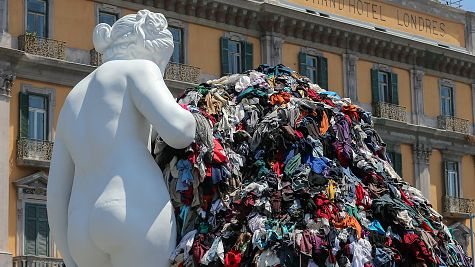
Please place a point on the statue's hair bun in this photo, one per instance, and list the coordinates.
(101, 37)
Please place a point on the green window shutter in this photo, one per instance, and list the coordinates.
(303, 63)
(398, 163)
(36, 230)
(24, 106)
(394, 88)
(375, 85)
(322, 72)
(43, 232)
(30, 229)
(248, 57)
(224, 56)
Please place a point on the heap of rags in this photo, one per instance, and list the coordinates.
(284, 173)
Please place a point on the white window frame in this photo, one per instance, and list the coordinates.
(182, 43)
(22, 199)
(184, 38)
(37, 111)
(235, 58)
(310, 68)
(447, 84)
(50, 94)
(49, 18)
(458, 181)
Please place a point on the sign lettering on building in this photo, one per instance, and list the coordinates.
(392, 17)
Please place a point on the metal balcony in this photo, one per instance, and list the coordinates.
(457, 207)
(174, 71)
(35, 153)
(36, 261)
(96, 57)
(390, 111)
(453, 124)
(182, 73)
(42, 46)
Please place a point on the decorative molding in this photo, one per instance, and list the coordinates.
(447, 82)
(234, 36)
(460, 232)
(417, 95)
(35, 184)
(6, 82)
(350, 72)
(311, 51)
(422, 153)
(271, 48)
(310, 30)
(382, 67)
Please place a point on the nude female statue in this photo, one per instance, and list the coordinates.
(107, 202)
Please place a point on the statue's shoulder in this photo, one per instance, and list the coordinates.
(142, 67)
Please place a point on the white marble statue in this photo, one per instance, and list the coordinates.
(107, 202)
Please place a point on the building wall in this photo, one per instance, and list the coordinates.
(17, 172)
(431, 93)
(437, 183)
(201, 38)
(364, 81)
(463, 101)
(408, 163)
(394, 17)
(66, 22)
(404, 88)
(290, 58)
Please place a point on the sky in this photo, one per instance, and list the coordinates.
(469, 5)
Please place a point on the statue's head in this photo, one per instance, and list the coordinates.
(141, 36)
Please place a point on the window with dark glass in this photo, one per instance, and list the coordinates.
(315, 68)
(447, 101)
(107, 17)
(37, 17)
(396, 161)
(236, 56)
(34, 116)
(312, 68)
(384, 87)
(36, 240)
(178, 54)
(452, 179)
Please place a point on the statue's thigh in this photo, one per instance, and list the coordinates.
(83, 249)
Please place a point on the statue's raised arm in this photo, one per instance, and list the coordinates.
(107, 201)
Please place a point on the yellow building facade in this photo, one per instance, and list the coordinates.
(410, 62)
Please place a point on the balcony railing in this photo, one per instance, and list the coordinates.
(453, 124)
(182, 73)
(42, 46)
(174, 71)
(454, 207)
(390, 111)
(96, 57)
(34, 152)
(36, 261)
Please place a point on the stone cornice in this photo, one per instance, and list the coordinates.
(263, 17)
(398, 132)
(44, 69)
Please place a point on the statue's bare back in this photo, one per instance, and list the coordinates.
(119, 212)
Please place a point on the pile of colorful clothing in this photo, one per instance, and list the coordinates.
(284, 173)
